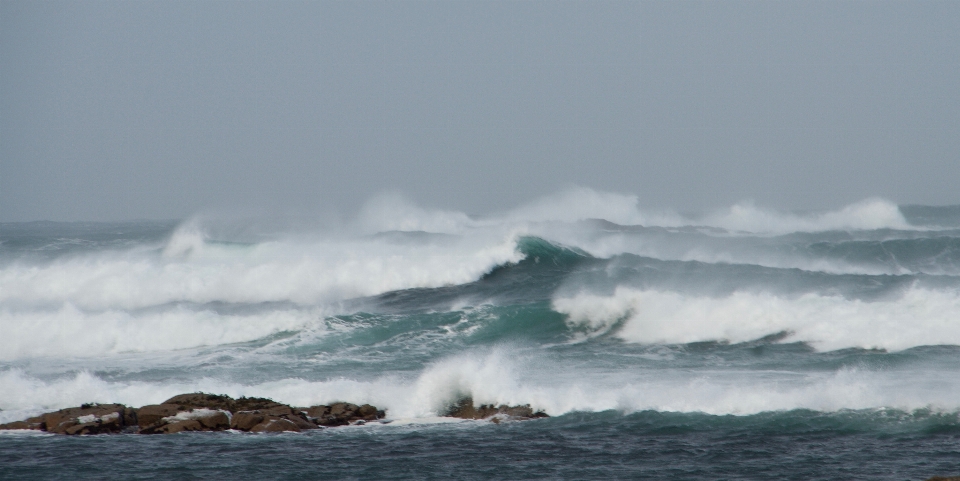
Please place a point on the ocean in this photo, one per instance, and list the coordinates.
(743, 343)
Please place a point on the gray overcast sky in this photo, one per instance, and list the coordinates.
(138, 109)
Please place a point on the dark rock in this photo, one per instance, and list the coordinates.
(279, 410)
(199, 400)
(317, 411)
(255, 408)
(465, 409)
(246, 420)
(94, 428)
(186, 412)
(343, 409)
(342, 414)
(197, 412)
(217, 421)
(301, 422)
(332, 421)
(80, 428)
(34, 423)
(369, 413)
(20, 425)
(944, 478)
(86, 419)
(524, 411)
(274, 424)
(206, 420)
(226, 403)
(153, 413)
(130, 417)
(257, 403)
(180, 426)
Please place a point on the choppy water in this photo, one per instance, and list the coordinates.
(741, 344)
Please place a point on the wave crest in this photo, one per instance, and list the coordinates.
(919, 317)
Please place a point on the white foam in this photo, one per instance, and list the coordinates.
(298, 271)
(919, 317)
(503, 377)
(69, 332)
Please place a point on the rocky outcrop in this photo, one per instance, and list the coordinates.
(201, 419)
(215, 412)
(89, 419)
(35, 423)
(198, 412)
(341, 414)
(85, 419)
(465, 409)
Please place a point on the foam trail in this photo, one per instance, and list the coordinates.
(920, 317)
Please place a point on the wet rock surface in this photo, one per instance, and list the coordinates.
(341, 414)
(216, 412)
(198, 412)
(465, 409)
(88, 419)
(35, 423)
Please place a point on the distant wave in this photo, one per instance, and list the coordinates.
(576, 204)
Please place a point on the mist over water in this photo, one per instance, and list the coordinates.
(581, 302)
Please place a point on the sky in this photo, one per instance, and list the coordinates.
(159, 110)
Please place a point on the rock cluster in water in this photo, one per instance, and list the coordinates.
(214, 412)
(198, 412)
(465, 409)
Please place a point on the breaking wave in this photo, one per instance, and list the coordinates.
(504, 377)
(919, 317)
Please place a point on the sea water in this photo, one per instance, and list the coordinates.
(742, 343)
